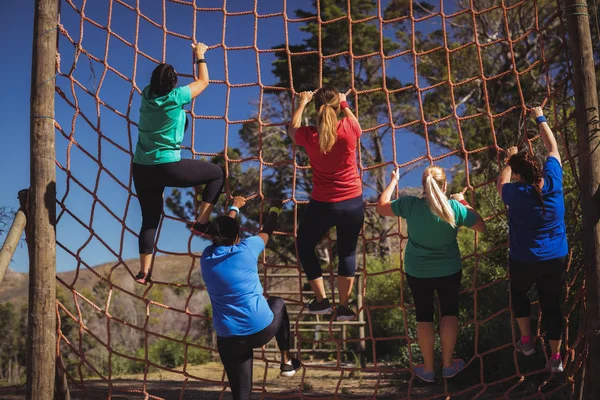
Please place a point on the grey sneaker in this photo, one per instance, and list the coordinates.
(555, 365)
(343, 313)
(316, 307)
(526, 348)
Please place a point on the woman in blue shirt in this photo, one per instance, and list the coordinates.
(242, 317)
(157, 161)
(538, 241)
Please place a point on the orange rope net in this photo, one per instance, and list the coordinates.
(96, 134)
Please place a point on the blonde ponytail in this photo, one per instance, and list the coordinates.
(327, 127)
(327, 103)
(434, 179)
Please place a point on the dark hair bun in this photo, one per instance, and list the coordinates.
(226, 230)
(164, 79)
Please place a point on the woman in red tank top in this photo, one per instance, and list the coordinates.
(336, 198)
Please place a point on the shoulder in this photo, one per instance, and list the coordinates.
(552, 165)
(304, 134)
(349, 125)
(253, 242)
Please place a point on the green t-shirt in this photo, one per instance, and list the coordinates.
(161, 126)
(432, 250)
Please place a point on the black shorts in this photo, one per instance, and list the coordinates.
(447, 288)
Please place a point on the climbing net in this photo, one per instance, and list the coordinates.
(431, 83)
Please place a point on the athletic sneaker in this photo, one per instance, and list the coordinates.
(203, 230)
(457, 366)
(427, 376)
(142, 277)
(343, 313)
(316, 307)
(289, 370)
(526, 348)
(555, 365)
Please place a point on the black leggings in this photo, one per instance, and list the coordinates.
(236, 351)
(447, 288)
(150, 182)
(548, 278)
(347, 216)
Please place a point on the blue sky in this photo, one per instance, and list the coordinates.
(16, 37)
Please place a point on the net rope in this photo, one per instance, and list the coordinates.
(81, 306)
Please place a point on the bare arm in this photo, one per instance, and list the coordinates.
(479, 225)
(296, 123)
(347, 111)
(384, 204)
(547, 136)
(506, 172)
(201, 82)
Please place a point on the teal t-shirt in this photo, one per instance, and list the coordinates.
(161, 126)
(432, 250)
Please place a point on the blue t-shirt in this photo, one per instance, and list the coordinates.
(233, 285)
(535, 235)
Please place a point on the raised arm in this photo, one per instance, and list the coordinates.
(547, 136)
(384, 204)
(271, 223)
(234, 209)
(479, 225)
(346, 109)
(201, 82)
(305, 98)
(506, 172)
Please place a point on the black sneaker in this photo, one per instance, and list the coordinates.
(343, 313)
(289, 370)
(203, 230)
(316, 307)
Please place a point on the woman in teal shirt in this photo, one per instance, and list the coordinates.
(157, 161)
(432, 261)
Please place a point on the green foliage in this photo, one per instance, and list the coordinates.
(171, 354)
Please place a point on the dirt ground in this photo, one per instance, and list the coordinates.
(317, 382)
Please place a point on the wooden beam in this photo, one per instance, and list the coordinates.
(588, 142)
(41, 338)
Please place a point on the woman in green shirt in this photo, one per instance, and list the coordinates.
(432, 261)
(157, 161)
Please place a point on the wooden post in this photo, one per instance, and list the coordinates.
(588, 131)
(361, 318)
(41, 338)
(14, 235)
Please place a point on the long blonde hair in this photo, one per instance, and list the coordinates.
(327, 103)
(434, 180)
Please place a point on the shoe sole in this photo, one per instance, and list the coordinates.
(527, 353)
(454, 374)
(288, 374)
(425, 380)
(321, 312)
(345, 318)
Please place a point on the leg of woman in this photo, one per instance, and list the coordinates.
(549, 286)
(422, 291)
(349, 221)
(192, 173)
(522, 276)
(280, 329)
(237, 361)
(149, 191)
(448, 289)
(313, 226)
